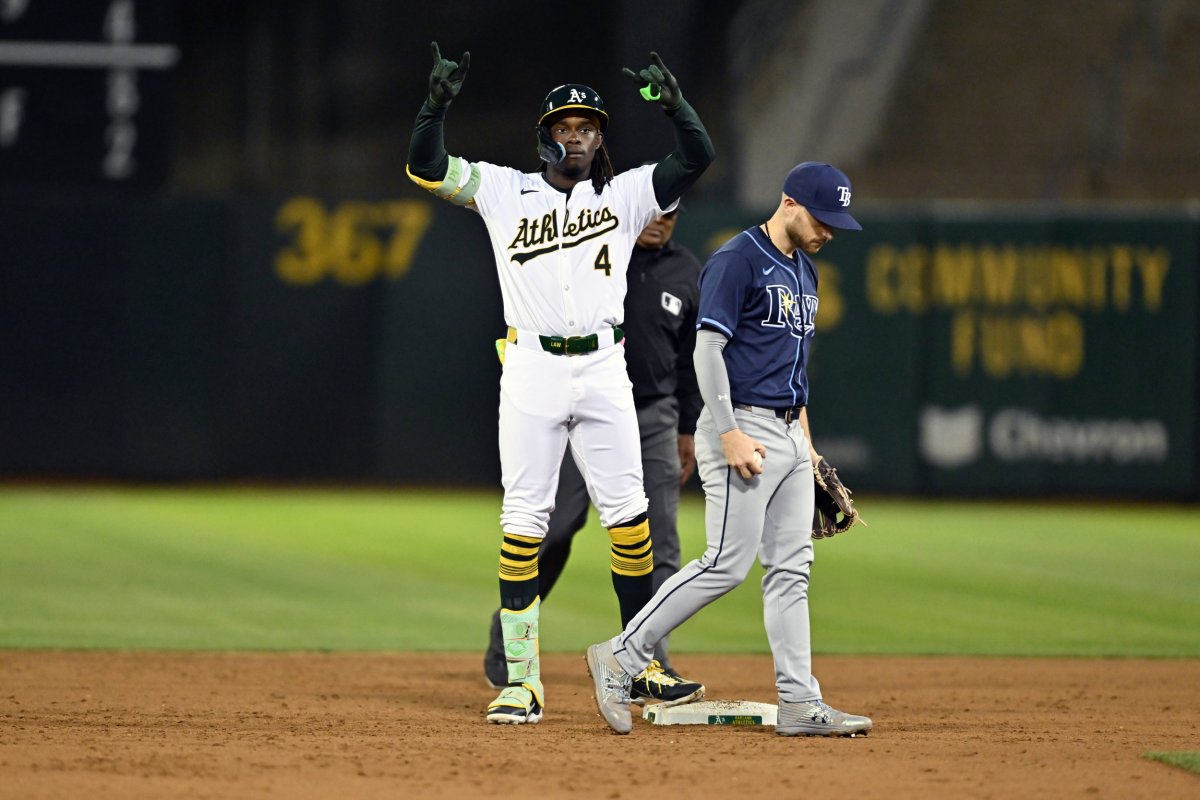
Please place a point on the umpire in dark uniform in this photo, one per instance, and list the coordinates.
(660, 335)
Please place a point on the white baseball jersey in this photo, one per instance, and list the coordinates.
(562, 258)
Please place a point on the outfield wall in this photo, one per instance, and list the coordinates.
(989, 351)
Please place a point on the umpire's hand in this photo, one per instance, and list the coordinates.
(687, 457)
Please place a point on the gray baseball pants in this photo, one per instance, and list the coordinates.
(658, 426)
(769, 516)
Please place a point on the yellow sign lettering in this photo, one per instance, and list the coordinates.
(1153, 265)
(999, 272)
(1065, 345)
(302, 263)
(1016, 308)
(1097, 261)
(913, 261)
(1038, 279)
(354, 242)
(831, 303)
(355, 253)
(1122, 270)
(882, 294)
(962, 342)
(409, 219)
(1005, 345)
(1007, 276)
(1069, 270)
(953, 276)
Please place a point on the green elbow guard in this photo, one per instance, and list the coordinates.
(459, 186)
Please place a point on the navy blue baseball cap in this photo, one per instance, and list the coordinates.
(825, 191)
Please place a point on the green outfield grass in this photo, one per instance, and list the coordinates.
(416, 570)
(1187, 759)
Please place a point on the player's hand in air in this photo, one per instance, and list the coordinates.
(743, 453)
(447, 77)
(656, 83)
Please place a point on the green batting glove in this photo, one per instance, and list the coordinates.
(657, 84)
(447, 77)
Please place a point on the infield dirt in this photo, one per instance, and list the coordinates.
(215, 725)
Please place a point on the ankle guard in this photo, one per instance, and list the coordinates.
(520, 631)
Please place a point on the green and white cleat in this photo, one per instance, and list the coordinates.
(523, 700)
(516, 705)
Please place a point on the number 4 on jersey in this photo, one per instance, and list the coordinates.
(603, 263)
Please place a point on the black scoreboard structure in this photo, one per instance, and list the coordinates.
(85, 92)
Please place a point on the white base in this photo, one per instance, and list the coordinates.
(712, 712)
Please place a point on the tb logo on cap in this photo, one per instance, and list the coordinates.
(844, 195)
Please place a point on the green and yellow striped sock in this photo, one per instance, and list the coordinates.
(632, 565)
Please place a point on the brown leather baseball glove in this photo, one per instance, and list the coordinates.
(834, 511)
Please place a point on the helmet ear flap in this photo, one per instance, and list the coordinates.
(550, 151)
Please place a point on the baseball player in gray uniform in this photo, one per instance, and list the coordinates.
(561, 236)
(757, 315)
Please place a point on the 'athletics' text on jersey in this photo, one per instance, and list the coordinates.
(562, 257)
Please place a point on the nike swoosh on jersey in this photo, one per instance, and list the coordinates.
(528, 191)
(769, 271)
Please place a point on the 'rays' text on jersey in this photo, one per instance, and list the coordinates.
(800, 317)
(542, 233)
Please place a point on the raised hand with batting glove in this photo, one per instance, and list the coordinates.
(447, 77)
(656, 83)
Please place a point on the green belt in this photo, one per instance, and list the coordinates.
(576, 345)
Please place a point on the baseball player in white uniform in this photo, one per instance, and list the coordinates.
(562, 237)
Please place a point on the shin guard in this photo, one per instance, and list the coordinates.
(521, 651)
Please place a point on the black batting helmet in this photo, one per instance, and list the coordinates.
(573, 95)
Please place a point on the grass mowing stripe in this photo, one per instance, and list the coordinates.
(409, 569)
(208, 569)
(1031, 579)
(1186, 759)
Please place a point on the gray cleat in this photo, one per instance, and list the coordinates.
(818, 719)
(612, 686)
